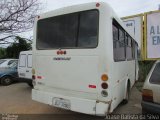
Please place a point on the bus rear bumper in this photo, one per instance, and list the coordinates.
(81, 105)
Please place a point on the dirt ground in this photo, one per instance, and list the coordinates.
(16, 99)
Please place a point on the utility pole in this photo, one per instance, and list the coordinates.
(159, 7)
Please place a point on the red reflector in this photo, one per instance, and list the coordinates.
(58, 52)
(92, 86)
(39, 77)
(98, 4)
(61, 52)
(33, 77)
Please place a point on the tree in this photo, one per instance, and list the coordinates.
(16, 16)
(14, 49)
(2, 53)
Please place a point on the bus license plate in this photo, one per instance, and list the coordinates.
(61, 103)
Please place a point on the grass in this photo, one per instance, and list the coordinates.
(144, 68)
(139, 86)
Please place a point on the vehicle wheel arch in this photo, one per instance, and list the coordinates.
(6, 76)
(127, 89)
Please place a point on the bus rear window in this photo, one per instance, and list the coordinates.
(76, 30)
(155, 77)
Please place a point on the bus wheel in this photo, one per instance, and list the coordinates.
(125, 101)
(144, 111)
(30, 84)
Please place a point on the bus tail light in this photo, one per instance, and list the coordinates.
(104, 93)
(92, 86)
(39, 77)
(104, 77)
(33, 77)
(147, 95)
(104, 85)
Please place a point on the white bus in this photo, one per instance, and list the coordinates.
(83, 59)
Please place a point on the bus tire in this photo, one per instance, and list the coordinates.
(125, 101)
(144, 111)
(30, 84)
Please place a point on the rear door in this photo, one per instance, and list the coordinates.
(22, 65)
(29, 67)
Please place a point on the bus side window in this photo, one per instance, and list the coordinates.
(121, 44)
(133, 49)
(115, 42)
(129, 54)
(118, 43)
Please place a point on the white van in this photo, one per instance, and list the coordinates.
(25, 67)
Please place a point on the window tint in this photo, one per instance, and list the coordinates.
(129, 53)
(11, 61)
(123, 44)
(115, 38)
(68, 31)
(134, 49)
(22, 60)
(29, 61)
(88, 29)
(115, 42)
(155, 77)
(57, 32)
(121, 38)
(118, 43)
(14, 64)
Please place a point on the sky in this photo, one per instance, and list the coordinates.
(121, 7)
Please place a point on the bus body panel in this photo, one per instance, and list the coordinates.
(87, 106)
(78, 77)
(121, 73)
(77, 73)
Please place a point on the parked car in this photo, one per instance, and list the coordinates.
(151, 91)
(25, 67)
(6, 62)
(9, 74)
(2, 60)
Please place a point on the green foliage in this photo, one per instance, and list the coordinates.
(144, 68)
(15, 48)
(2, 53)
